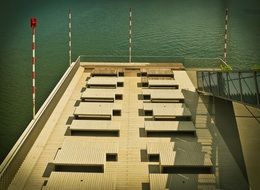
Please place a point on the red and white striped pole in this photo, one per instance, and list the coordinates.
(226, 37)
(33, 26)
(130, 35)
(69, 37)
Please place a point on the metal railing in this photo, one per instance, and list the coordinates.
(241, 86)
(134, 58)
(189, 62)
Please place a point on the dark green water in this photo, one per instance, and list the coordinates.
(190, 29)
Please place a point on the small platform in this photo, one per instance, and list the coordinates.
(80, 152)
(101, 95)
(157, 73)
(162, 84)
(165, 111)
(104, 72)
(182, 181)
(95, 125)
(169, 126)
(179, 158)
(97, 110)
(164, 151)
(105, 82)
(166, 95)
(80, 181)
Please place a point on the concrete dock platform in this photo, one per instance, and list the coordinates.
(129, 160)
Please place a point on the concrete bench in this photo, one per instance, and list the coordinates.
(169, 127)
(105, 82)
(163, 95)
(95, 110)
(167, 111)
(103, 126)
(101, 95)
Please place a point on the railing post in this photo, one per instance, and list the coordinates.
(198, 85)
(257, 89)
(210, 89)
(240, 87)
(227, 75)
(202, 79)
(219, 81)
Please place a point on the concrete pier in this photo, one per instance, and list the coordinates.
(103, 143)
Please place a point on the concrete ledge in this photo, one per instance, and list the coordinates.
(136, 65)
(19, 151)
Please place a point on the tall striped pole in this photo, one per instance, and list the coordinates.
(226, 37)
(33, 26)
(130, 35)
(69, 37)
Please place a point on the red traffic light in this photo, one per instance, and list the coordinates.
(33, 22)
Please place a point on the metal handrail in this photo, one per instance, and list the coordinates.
(251, 96)
(213, 63)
